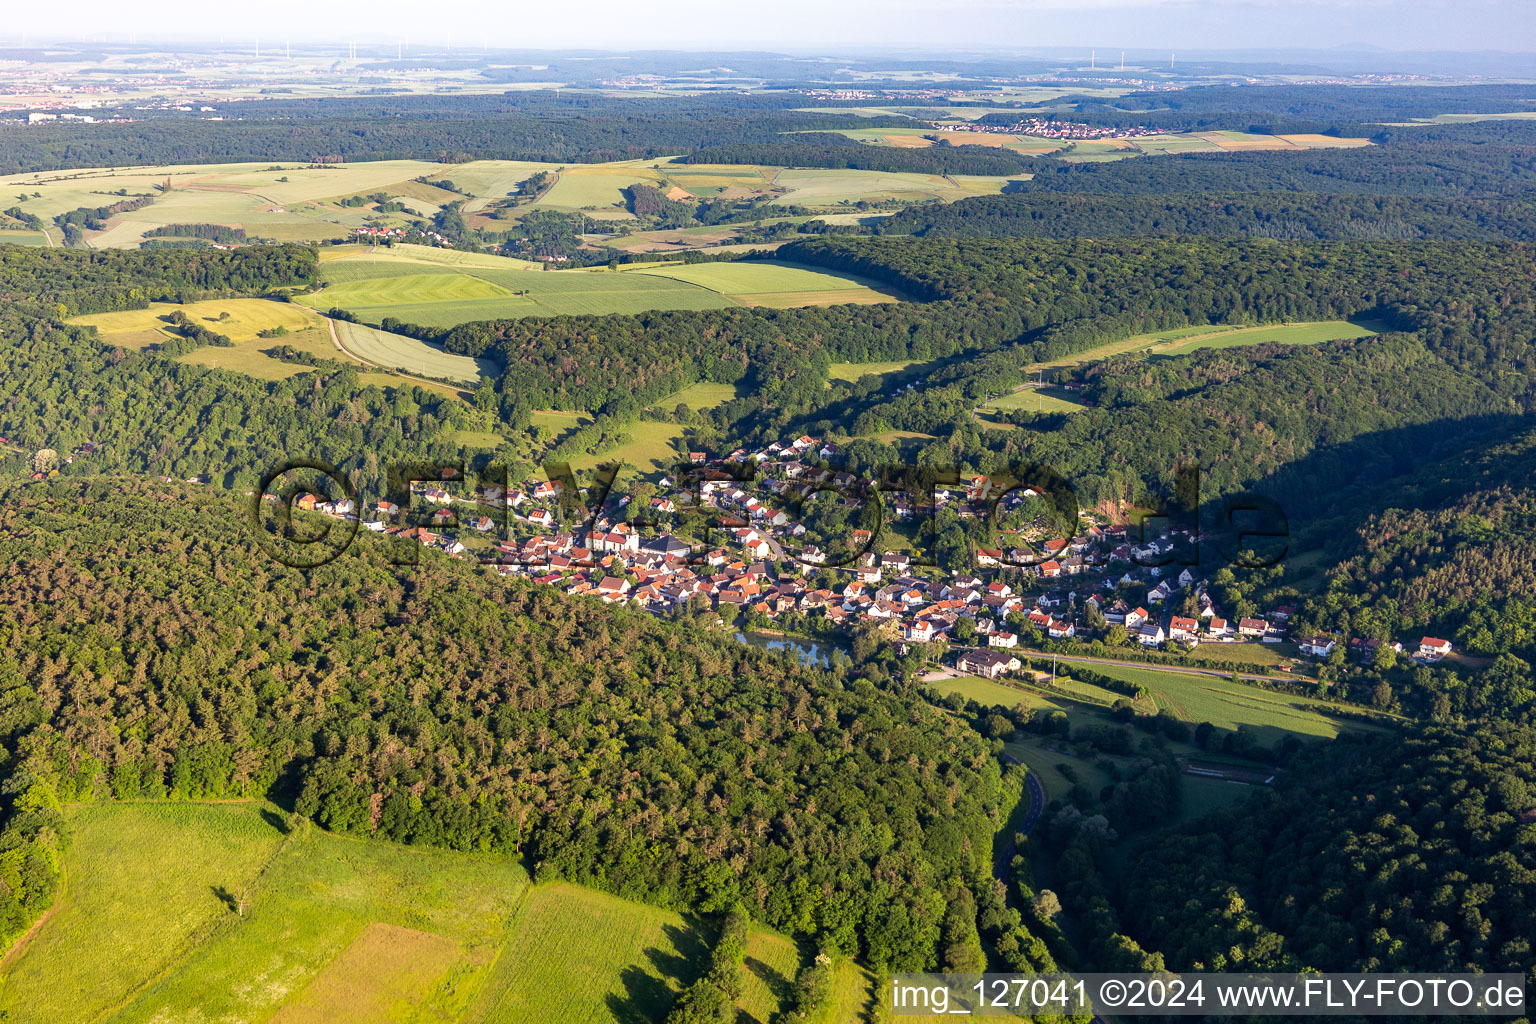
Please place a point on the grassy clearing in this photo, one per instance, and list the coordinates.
(1204, 795)
(579, 955)
(474, 438)
(1314, 333)
(850, 373)
(396, 351)
(1046, 758)
(121, 920)
(342, 931)
(768, 976)
(703, 395)
(649, 450)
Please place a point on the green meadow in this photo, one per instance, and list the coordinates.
(224, 913)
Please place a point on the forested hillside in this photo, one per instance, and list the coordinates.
(149, 644)
(535, 125)
(1400, 855)
(1283, 215)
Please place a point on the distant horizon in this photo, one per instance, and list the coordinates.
(804, 27)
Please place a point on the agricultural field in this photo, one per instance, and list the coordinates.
(1099, 149)
(290, 202)
(834, 187)
(398, 352)
(224, 913)
(417, 286)
(990, 693)
(23, 238)
(1314, 333)
(433, 293)
(765, 283)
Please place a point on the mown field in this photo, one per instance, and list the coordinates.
(418, 286)
(1227, 705)
(850, 373)
(221, 912)
(398, 352)
(1104, 149)
(761, 282)
(1041, 400)
(1313, 333)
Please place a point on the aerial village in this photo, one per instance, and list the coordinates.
(756, 565)
(1045, 128)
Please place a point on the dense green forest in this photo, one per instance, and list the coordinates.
(1485, 160)
(148, 412)
(150, 648)
(539, 125)
(1402, 854)
(1294, 108)
(1290, 216)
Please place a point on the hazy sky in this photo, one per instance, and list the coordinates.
(815, 25)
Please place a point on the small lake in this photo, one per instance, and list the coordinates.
(810, 652)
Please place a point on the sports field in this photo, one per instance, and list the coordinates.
(1228, 705)
(224, 915)
(1040, 400)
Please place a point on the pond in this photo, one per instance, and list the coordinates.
(810, 652)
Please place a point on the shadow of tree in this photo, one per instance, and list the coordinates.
(647, 995)
(644, 998)
(225, 897)
(778, 985)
